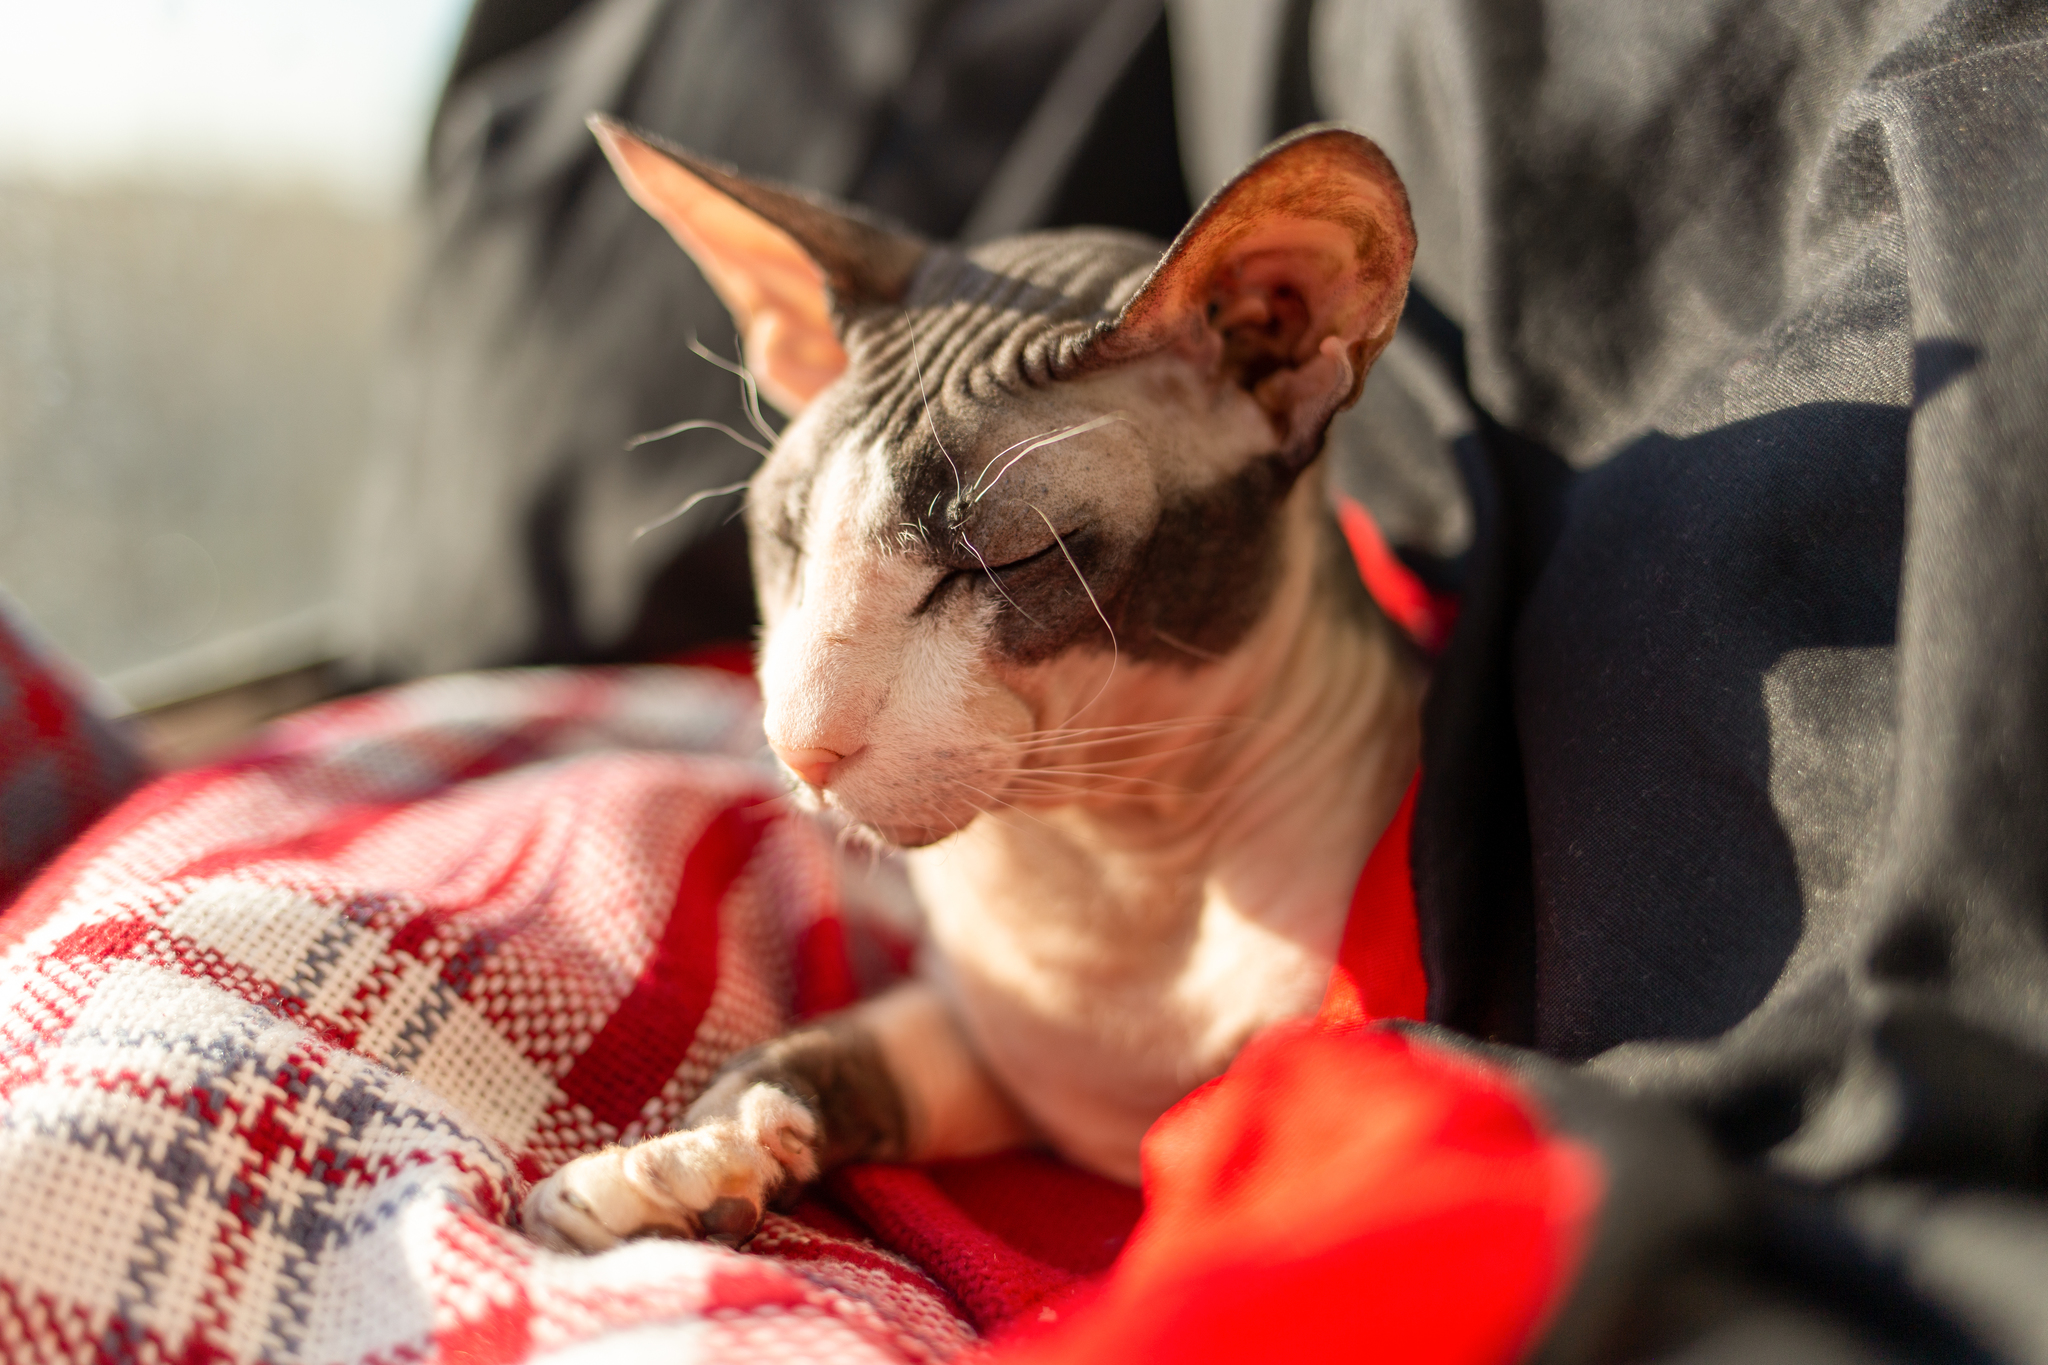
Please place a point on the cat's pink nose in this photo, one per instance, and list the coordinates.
(814, 766)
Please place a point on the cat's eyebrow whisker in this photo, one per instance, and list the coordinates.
(687, 503)
(997, 581)
(750, 387)
(1115, 650)
(973, 493)
(697, 424)
(959, 489)
(975, 490)
(1049, 440)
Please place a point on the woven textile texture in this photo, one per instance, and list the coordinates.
(283, 1041)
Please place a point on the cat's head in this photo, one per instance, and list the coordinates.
(1042, 486)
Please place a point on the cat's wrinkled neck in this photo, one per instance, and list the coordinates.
(1184, 913)
(1302, 727)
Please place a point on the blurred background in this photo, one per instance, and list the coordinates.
(201, 251)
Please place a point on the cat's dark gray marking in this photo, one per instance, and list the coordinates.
(836, 1071)
(972, 333)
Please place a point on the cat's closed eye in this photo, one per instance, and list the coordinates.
(1050, 547)
(987, 576)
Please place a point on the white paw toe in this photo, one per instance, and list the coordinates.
(712, 1181)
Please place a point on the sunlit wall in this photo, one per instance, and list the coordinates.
(200, 253)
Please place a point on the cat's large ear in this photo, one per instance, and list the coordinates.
(1288, 282)
(787, 264)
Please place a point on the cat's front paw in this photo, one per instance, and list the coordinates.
(713, 1180)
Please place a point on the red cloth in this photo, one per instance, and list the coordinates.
(1379, 962)
(1339, 1194)
(1426, 616)
(1005, 1234)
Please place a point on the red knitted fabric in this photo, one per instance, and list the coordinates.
(282, 1042)
(1338, 1194)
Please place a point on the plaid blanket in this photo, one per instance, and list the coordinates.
(282, 1041)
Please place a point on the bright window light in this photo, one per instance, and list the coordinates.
(328, 95)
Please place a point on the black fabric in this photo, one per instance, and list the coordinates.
(1736, 771)
(552, 319)
(1127, 171)
(497, 28)
(1703, 1258)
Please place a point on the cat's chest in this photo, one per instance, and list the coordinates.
(1100, 995)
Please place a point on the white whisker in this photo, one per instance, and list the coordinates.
(1052, 440)
(1142, 726)
(1067, 793)
(972, 494)
(1090, 733)
(929, 420)
(1182, 645)
(696, 424)
(1116, 651)
(750, 387)
(965, 786)
(1044, 744)
(687, 503)
(1089, 776)
(998, 583)
(1063, 754)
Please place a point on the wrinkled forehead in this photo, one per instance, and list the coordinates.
(968, 370)
(838, 472)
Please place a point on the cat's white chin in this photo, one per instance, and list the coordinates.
(879, 829)
(916, 830)
(906, 836)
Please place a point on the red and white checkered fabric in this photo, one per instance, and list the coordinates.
(283, 1041)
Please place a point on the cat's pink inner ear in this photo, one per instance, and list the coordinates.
(775, 291)
(1288, 281)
